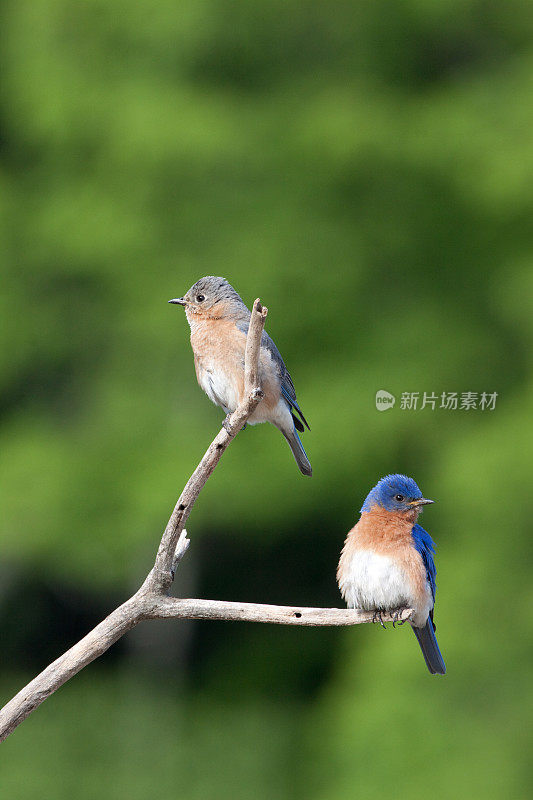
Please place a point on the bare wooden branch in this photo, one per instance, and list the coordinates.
(151, 600)
(178, 608)
(171, 549)
(152, 606)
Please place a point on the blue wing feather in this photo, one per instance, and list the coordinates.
(287, 386)
(426, 547)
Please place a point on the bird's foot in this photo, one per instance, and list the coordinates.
(378, 618)
(226, 424)
(397, 616)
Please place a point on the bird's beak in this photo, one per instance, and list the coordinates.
(421, 502)
(179, 301)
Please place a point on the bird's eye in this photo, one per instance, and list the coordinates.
(200, 298)
(399, 498)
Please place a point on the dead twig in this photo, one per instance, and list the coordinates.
(151, 600)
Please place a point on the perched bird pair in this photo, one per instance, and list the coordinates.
(387, 560)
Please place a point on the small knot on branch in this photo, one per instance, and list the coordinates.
(181, 548)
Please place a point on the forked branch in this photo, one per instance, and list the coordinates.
(151, 601)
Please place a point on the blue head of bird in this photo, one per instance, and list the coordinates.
(396, 493)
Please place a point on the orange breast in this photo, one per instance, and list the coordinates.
(387, 533)
(218, 345)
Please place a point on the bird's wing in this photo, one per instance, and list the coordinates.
(287, 386)
(426, 547)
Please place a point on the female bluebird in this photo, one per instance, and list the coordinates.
(387, 561)
(219, 323)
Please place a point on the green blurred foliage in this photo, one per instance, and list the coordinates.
(366, 169)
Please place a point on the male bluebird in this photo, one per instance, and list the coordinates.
(387, 561)
(219, 323)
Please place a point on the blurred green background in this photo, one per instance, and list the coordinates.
(366, 168)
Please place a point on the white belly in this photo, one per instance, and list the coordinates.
(219, 388)
(372, 581)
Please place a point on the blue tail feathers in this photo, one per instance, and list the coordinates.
(298, 452)
(430, 649)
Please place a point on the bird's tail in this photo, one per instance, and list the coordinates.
(430, 649)
(298, 452)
